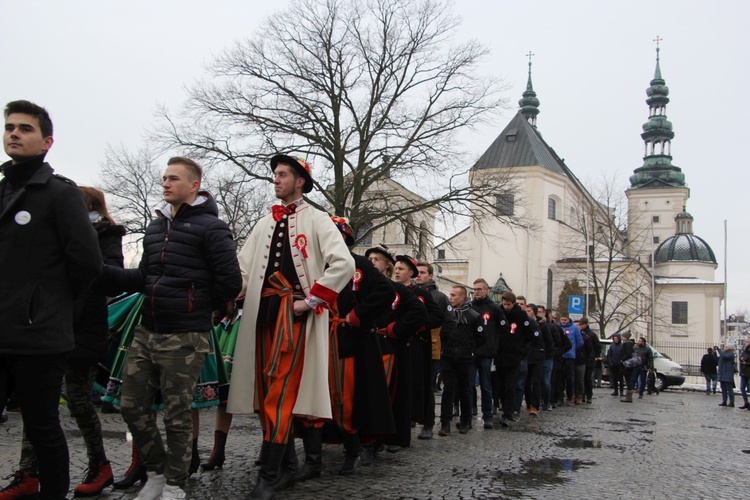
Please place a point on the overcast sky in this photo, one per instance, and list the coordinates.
(101, 68)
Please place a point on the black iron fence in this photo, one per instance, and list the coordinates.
(687, 354)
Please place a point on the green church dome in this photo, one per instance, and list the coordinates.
(684, 248)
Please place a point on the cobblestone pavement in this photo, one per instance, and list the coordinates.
(675, 445)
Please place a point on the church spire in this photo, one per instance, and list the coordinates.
(657, 170)
(529, 103)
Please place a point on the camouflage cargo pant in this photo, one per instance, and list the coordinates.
(79, 382)
(171, 363)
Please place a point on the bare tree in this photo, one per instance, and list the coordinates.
(619, 285)
(132, 182)
(242, 200)
(367, 90)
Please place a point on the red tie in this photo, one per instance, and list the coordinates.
(279, 211)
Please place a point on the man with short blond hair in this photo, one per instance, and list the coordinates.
(456, 358)
(492, 316)
(188, 274)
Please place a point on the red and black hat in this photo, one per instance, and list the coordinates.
(410, 263)
(383, 250)
(346, 230)
(297, 163)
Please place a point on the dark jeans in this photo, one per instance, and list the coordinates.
(455, 379)
(579, 372)
(568, 368)
(616, 379)
(710, 379)
(484, 368)
(638, 377)
(631, 377)
(523, 369)
(508, 379)
(534, 384)
(547, 370)
(38, 380)
(588, 382)
(558, 381)
(727, 390)
(744, 387)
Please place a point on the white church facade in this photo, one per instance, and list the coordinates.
(628, 260)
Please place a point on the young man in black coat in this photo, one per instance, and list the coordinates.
(515, 337)
(423, 399)
(49, 255)
(425, 280)
(492, 317)
(456, 359)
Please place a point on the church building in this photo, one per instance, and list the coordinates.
(626, 251)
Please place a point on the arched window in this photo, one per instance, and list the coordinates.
(409, 230)
(551, 208)
(423, 252)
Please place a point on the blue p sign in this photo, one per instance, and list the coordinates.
(575, 304)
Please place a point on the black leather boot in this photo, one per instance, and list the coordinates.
(352, 450)
(289, 466)
(136, 472)
(312, 440)
(195, 459)
(270, 477)
(216, 460)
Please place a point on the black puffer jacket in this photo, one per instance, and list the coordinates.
(48, 257)
(189, 269)
(90, 318)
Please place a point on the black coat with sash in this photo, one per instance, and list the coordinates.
(368, 295)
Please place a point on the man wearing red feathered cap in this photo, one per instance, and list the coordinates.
(293, 266)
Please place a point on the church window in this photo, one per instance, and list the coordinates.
(409, 231)
(504, 204)
(591, 303)
(655, 218)
(656, 239)
(441, 254)
(364, 234)
(679, 313)
(551, 209)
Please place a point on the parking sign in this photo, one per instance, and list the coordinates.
(575, 307)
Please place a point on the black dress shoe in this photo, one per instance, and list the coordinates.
(743, 407)
(722, 404)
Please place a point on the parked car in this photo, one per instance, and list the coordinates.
(668, 373)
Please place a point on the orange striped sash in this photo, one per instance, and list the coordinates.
(282, 332)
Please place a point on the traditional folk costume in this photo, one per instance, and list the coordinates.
(359, 390)
(281, 362)
(423, 399)
(398, 328)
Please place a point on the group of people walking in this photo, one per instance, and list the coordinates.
(327, 346)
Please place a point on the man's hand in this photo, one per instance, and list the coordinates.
(300, 307)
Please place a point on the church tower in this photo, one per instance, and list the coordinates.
(657, 189)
